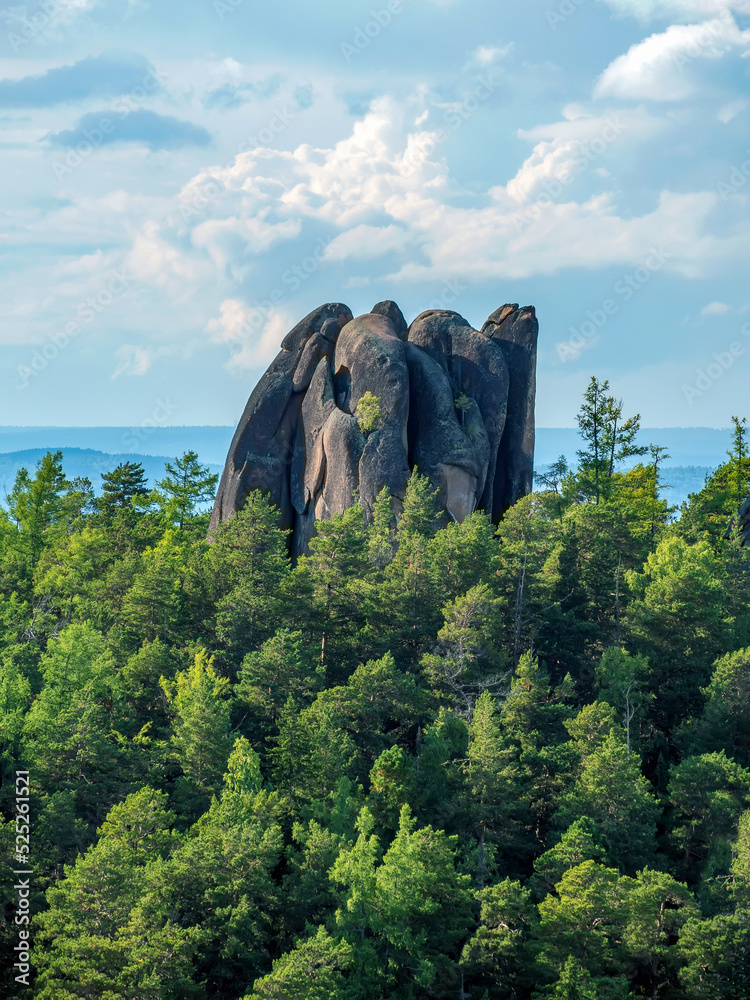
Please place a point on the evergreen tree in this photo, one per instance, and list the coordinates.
(575, 983)
(200, 735)
(725, 723)
(36, 504)
(121, 487)
(611, 791)
(283, 667)
(248, 569)
(707, 795)
(184, 488)
(338, 561)
(317, 969)
(499, 953)
(676, 623)
(580, 842)
(381, 530)
(80, 951)
(465, 663)
(489, 787)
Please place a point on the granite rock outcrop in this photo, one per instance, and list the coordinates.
(456, 402)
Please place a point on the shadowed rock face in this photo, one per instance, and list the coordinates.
(456, 402)
(743, 518)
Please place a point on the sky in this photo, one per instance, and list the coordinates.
(183, 182)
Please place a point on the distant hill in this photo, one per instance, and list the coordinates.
(84, 462)
(211, 443)
(89, 451)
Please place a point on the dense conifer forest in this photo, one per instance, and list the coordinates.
(429, 760)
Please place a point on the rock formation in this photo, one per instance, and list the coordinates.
(456, 402)
(743, 518)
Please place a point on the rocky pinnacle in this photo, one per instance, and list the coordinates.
(455, 402)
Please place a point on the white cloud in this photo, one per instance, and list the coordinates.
(367, 242)
(253, 337)
(715, 309)
(656, 68)
(566, 149)
(378, 197)
(646, 10)
(488, 55)
(153, 260)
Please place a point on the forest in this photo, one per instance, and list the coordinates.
(429, 759)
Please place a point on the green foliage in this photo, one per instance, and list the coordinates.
(284, 666)
(82, 950)
(368, 413)
(499, 951)
(610, 790)
(317, 969)
(186, 486)
(609, 439)
(707, 794)
(429, 759)
(200, 735)
(406, 913)
(726, 716)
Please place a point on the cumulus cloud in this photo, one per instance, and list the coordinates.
(564, 150)
(376, 199)
(111, 74)
(655, 69)
(715, 309)
(143, 127)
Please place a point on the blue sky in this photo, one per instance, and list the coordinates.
(183, 182)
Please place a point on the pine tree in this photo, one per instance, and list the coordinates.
(490, 778)
(120, 488)
(80, 950)
(200, 735)
(36, 504)
(186, 485)
(380, 531)
(613, 793)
